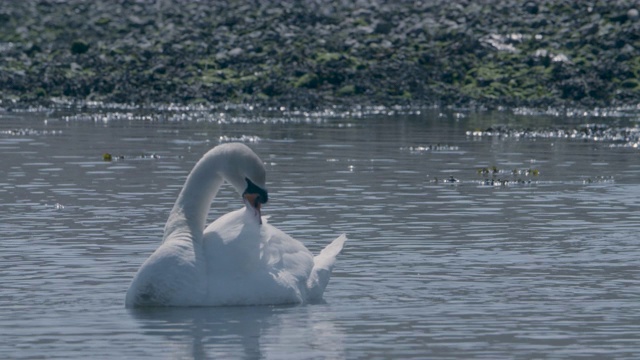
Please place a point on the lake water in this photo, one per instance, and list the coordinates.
(447, 257)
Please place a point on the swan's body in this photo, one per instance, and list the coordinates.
(236, 260)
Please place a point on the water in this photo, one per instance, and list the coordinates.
(442, 262)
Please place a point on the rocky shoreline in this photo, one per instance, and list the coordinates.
(310, 54)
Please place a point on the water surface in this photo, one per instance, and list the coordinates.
(445, 258)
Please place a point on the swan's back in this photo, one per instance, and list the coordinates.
(251, 264)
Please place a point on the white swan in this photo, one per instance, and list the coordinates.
(239, 259)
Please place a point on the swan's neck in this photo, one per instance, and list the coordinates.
(189, 214)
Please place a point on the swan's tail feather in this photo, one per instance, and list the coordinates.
(322, 267)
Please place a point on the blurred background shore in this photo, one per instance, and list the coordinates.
(310, 54)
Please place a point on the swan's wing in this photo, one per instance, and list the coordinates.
(288, 261)
(284, 255)
(322, 267)
(257, 264)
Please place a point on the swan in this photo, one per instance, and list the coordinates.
(239, 259)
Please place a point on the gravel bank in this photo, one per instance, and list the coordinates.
(307, 54)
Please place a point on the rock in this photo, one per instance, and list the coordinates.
(531, 7)
(235, 52)
(79, 47)
(383, 28)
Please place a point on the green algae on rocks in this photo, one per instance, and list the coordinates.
(489, 53)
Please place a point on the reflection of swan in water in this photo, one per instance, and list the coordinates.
(244, 332)
(196, 332)
(237, 260)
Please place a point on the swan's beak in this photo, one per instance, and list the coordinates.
(254, 196)
(254, 201)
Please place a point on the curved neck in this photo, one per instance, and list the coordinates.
(189, 214)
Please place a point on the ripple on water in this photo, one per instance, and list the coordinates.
(431, 269)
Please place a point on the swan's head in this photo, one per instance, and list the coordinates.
(254, 196)
(247, 174)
